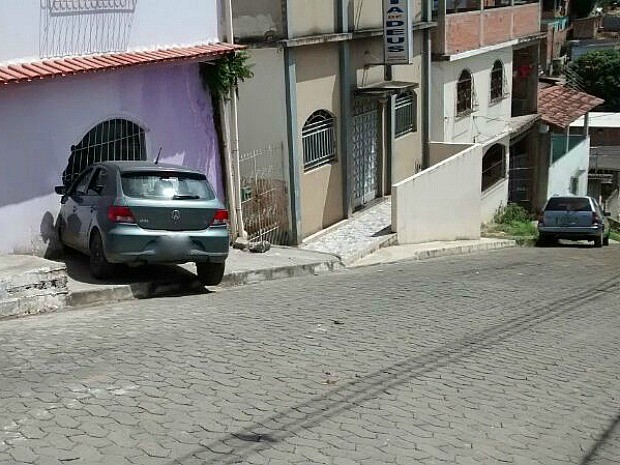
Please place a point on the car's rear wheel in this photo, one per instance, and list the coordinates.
(598, 240)
(210, 274)
(100, 268)
(545, 240)
(606, 240)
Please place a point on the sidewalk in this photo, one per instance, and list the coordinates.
(31, 285)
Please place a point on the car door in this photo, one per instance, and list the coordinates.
(73, 211)
(88, 208)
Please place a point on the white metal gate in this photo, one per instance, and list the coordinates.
(365, 151)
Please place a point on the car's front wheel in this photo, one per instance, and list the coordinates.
(606, 240)
(100, 268)
(210, 274)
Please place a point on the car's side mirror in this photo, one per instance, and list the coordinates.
(63, 199)
(60, 190)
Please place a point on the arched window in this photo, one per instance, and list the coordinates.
(464, 93)
(319, 139)
(405, 114)
(497, 81)
(493, 166)
(114, 139)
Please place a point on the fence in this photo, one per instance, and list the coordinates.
(264, 195)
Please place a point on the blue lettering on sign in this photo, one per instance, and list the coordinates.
(396, 49)
(395, 10)
(395, 23)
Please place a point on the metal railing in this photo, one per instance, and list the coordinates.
(404, 114)
(319, 141)
(264, 195)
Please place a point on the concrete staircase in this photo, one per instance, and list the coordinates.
(30, 285)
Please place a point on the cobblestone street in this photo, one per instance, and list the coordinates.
(501, 357)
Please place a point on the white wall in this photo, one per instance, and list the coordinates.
(440, 203)
(31, 29)
(576, 162)
(493, 199)
(488, 120)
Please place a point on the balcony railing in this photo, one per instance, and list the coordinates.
(460, 6)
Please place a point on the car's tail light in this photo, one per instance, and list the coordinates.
(596, 219)
(220, 218)
(541, 219)
(118, 214)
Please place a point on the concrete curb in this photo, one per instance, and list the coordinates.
(391, 239)
(406, 252)
(161, 288)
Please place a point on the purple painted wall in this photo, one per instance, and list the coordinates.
(39, 122)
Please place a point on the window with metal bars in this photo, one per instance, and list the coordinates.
(114, 139)
(319, 139)
(493, 166)
(497, 81)
(405, 114)
(464, 93)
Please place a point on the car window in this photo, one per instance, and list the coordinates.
(98, 182)
(166, 186)
(568, 204)
(81, 185)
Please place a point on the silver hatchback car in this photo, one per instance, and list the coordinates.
(141, 212)
(573, 218)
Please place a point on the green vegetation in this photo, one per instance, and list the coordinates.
(223, 76)
(512, 222)
(614, 236)
(598, 73)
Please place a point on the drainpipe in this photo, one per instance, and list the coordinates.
(426, 101)
(345, 107)
(233, 135)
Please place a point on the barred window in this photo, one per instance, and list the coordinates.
(405, 114)
(319, 139)
(497, 81)
(493, 166)
(464, 93)
(114, 139)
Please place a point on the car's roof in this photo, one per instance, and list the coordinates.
(136, 166)
(571, 197)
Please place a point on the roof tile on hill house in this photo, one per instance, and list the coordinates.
(559, 106)
(67, 66)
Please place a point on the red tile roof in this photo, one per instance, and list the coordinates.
(559, 106)
(23, 72)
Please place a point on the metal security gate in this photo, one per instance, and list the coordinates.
(519, 179)
(365, 151)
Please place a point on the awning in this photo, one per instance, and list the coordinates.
(559, 106)
(69, 66)
(386, 88)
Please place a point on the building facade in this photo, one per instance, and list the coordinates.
(484, 71)
(330, 126)
(89, 81)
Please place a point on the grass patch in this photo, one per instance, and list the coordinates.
(512, 222)
(614, 235)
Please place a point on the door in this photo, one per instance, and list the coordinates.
(519, 176)
(365, 152)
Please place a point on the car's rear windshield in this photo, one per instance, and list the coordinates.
(166, 186)
(565, 204)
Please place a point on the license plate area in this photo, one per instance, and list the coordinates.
(174, 245)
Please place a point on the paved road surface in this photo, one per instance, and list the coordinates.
(502, 357)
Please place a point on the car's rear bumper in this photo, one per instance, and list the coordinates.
(132, 244)
(574, 233)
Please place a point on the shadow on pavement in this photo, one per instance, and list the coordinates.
(593, 455)
(145, 281)
(235, 447)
